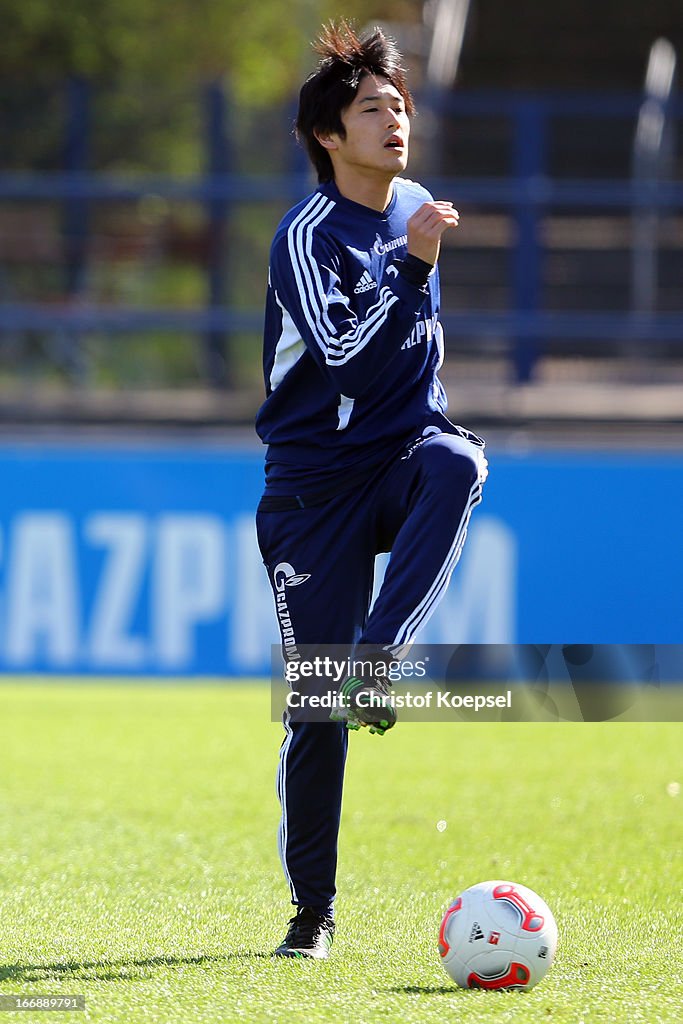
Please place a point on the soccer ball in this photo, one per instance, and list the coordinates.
(497, 935)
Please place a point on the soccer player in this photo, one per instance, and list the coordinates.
(361, 458)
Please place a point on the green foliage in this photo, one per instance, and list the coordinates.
(137, 828)
(146, 61)
(261, 48)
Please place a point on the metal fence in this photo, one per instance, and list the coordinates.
(521, 176)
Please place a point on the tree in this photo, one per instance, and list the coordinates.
(261, 47)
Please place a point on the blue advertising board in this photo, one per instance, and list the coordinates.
(142, 560)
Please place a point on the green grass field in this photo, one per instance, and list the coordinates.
(138, 862)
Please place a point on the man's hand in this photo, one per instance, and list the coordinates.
(427, 225)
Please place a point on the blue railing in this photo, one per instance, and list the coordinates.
(526, 192)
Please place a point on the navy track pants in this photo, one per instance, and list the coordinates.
(418, 507)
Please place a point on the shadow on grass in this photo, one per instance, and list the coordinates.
(451, 990)
(112, 970)
(427, 990)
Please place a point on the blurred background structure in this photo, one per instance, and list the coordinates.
(147, 156)
(146, 162)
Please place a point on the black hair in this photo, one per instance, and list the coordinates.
(345, 58)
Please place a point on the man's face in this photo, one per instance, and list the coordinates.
(377, 130)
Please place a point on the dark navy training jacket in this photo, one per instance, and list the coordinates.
(352, 340)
